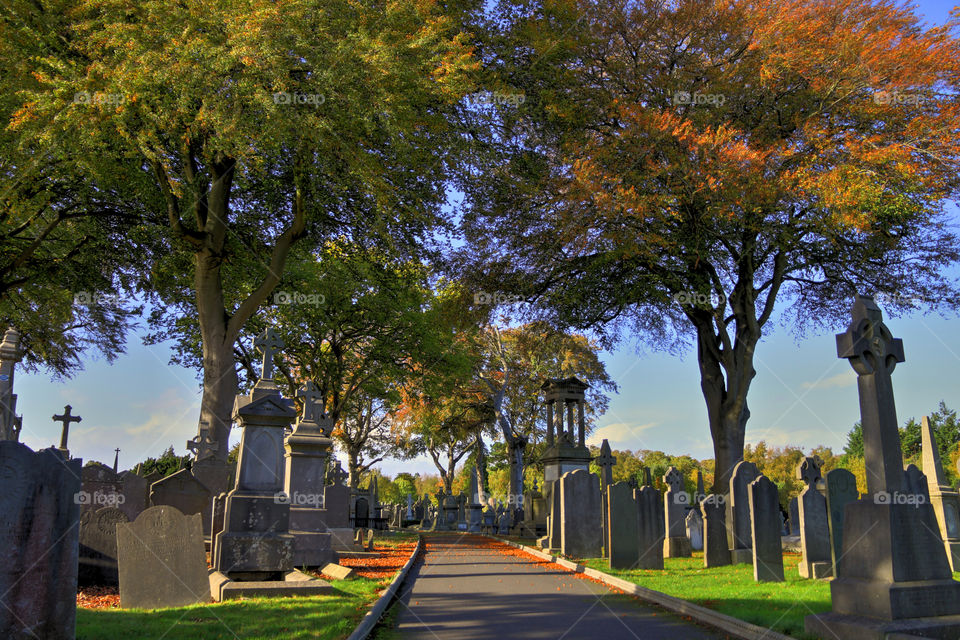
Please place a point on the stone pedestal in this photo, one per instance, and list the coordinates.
(307, 450)
(255, 543)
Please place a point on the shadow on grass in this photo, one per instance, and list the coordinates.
(330, 617)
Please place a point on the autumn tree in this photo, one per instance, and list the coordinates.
(688, 172)
(245, 128)
(513, 365)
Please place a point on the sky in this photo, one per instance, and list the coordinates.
(803, 395)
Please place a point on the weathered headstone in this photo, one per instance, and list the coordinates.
(701, 492)
(100, 487)
(623, 532)
(162, 561)
(183, 492)
(814, 529)
(605, 462)
(765, 531)
(580, 514)
(136, 494)
(716, 549)
(894, 578)
(738, 512)
(694, 526)
(794, 516)
(98, 546)
(652, 529)
(841, 490)
(40, 542)
(475, 508)
(943, 497)
(675, 503)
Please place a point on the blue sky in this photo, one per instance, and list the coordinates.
(802, 395)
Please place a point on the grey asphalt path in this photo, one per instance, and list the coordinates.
(465, 588)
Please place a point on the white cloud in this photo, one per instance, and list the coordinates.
(620, 433)
(845, 379)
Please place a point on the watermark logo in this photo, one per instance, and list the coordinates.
(495, 298)
(98, 97)
(99, 498)
(93, 298)
(283, 97)
(696, 98)
(902, 300)
(896, 497)
(681, 497)
(715, 499)
(697, 299)
(898, 97)
(295, 297)
(496, 98)
(297, 499)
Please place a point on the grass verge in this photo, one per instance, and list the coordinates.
(731, 590)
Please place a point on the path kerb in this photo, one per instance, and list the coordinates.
(383, 602)
(733, 626)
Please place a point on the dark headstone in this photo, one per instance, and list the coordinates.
(162, 561)
(98, 546)
(652, 529)
(675, 503)
(814, 529)
(623, 533)
(136, 494)
(765, 531)
(580, 514)
(40, 542)
(185, 493)
(841, 490)
(794, 516)
(738, 511)
(716, 552)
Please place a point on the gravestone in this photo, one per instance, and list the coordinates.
(216, 521)
(701, 492)
(943, 497)
(552, 489)
(40, 542)
(623, 532)
(765, 531)
(136, 494)
(894, 578)
(503, 524)
(307, 449)
(694, 526)
(98, 546)
(186, 494)
(65, 419)
(716, 549)
(675, 503)
(162, 561)
(605, 462)
(580, 514)
(738, 512)
(841, 490)
(100, 487)
(651, 525)
(475, 508)
(814, 528)
(794, 516)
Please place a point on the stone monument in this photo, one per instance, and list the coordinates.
(765, 531)
(623, 533)
(841, 490)
(814, 529)
(675, 503)
(943, 497)
(894, 576)
(738, 512)
(716, 549)
(10, 355)
(580, 514)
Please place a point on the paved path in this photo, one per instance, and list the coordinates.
(466, 588)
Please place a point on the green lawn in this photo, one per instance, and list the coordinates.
(781, 606)
(329, 617)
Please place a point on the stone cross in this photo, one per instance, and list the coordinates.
(809, 470)
(203, 445)
(337, 474)
(605, 461)
(268, 344)
(673, 479)
(312, 402)
(873, 353)
(66, 419)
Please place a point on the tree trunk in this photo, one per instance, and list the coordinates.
(353, 467)
(219, 368)
(515, 450)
